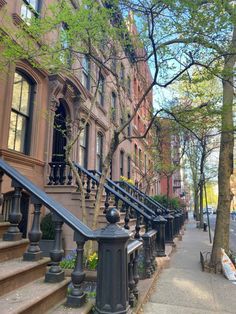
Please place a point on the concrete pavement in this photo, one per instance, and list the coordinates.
(184, 289)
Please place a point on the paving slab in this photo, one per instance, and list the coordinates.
(154, 308)
(184, 288)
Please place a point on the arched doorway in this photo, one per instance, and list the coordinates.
(59, 132)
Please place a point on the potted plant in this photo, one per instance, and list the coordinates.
(47, 227)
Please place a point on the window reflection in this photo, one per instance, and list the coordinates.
(20, 114)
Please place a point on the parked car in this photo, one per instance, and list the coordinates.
(210, 210)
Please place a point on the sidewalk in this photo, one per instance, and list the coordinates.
(184, 289)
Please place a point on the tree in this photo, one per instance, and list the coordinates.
(173, 36)
(198, 117)
(201, 33)
(58, 41)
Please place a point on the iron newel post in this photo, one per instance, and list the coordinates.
(112, 281)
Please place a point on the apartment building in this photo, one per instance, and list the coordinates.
(36, 108)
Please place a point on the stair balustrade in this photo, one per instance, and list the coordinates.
(117, 272)
(157, 221)
(175, 218)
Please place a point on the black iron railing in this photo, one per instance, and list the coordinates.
(112, 238)
(175, 217)
(144, 198)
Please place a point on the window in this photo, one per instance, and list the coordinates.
(30, 9)
(122, 73)
(113, 107)
(145, 164)
(129, 127)
(129, 86)
(101, 89)
(22, 100)
(83, 154)
(135, 154)
(113, 61)
(140, 158)
(86, 72)
(99, 150)
(139, 123)
(128, 167)
(122, 162)
(65, 55)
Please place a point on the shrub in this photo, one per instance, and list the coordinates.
(125, 179)
(47, 227)
(172, 203)
(69, 261)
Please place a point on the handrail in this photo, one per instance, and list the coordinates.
(135, 189)
(61, 211)
(133, 199)
(112, 191)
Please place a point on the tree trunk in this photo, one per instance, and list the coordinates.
(105, 169)
(196, 203)
(201, 182)
(221, 237)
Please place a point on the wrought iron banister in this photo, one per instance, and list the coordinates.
(122, 191)
(147, 199)
(44, 199)
(122, 249)
(126, 201)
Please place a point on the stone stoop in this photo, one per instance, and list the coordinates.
(22, 285)
(3, 227)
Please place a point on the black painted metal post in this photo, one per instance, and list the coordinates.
(132, 299)
(147, 258)
(136, 274)
(33, 252)
(153, 253)
(13, 233)
(169, 229)
(112, 278)
(175, 224)
(76, 298)
(55, 273)
(159, 224)
(1, 195)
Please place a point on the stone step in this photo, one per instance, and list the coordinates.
(12, 249)
(3, 227)
(85, 309)
(37, 297)
(17, 273)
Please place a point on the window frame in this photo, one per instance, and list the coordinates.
(128, 167)
(99, 152)
(86, 72)
(85, 146)
(129, 126)
(28, 118)
(122, 158)
(113, 106)
(34, 12)
(101, 90)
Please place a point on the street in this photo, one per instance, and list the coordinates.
(232, 230)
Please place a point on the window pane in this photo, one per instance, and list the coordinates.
(34, 4)
(24, 107)
(20, 134)
(16, 95)
(19, 114)
(81, 156)
(82, 138)
(12, 131)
